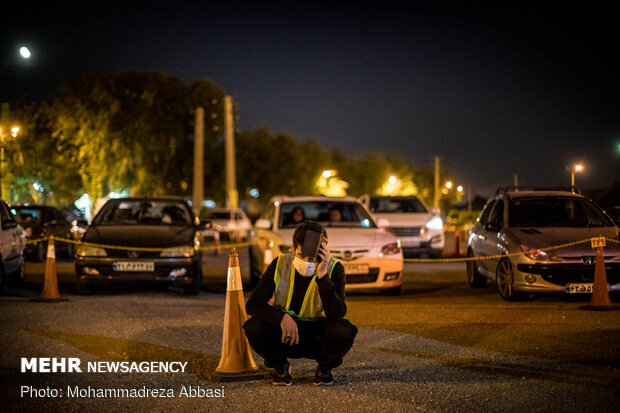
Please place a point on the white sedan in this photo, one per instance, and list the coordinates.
(371, 256)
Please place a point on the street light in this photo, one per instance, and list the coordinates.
(576, 168)
(449, 184)
(392, 179)
(326, 174)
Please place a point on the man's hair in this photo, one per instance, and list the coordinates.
(300, 231)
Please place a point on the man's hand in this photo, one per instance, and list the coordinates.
(289, 330)
(325, 257)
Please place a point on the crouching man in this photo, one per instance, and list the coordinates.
(298, 311)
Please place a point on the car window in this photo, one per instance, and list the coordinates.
(387, 204)
(484, 217)
(328, 213)
(556, 211)
(26, 215)
(127, 212)
(497, 216)
(58, 216)
(4, 213)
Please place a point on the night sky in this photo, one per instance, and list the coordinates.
(494, 90)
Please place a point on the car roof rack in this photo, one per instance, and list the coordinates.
(505, 189)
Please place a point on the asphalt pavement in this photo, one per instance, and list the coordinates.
(439, 346)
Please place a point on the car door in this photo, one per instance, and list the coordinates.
(490, 237)
(478, 231)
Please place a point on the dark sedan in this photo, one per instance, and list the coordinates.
(40, 221)
(157, 240)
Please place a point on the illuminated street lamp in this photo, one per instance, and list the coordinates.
(459, 188)
(326, 174)
(449, 184)
(576, 168)
(392, 179)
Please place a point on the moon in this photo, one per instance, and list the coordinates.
(24, 52)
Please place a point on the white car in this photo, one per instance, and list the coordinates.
(419, 228)
(371, 256)
(232, 223)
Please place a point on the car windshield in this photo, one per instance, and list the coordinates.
(328, 213)
(556, 211)
(28, 216)
(389, 204)
(129, 212)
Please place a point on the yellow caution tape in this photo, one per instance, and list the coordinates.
(247, 244)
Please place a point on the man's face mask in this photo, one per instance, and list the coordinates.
(305, 268)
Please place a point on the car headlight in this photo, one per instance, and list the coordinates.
(177, 252)
(538, 255)
(84, 251)
(390, 249)
(435, 224)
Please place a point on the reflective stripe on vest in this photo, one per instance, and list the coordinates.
(284, 278)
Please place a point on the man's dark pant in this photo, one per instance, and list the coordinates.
(323, 340)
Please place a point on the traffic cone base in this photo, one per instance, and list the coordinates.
(50, 292)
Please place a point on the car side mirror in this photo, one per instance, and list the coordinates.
(8, 224)
(263, 224)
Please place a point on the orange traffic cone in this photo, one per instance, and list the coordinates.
(50, 292)
(236, 362)
(457, 247)
(600, 295)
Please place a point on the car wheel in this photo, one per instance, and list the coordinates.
(505, 281)
(84, 288)
(474, 278)
(194, 287)
(18, 276)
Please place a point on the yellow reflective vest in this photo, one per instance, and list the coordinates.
(312, 307)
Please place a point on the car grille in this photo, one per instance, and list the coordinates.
(571, 273)
(405, 231)
(371, 277)
(129, 254)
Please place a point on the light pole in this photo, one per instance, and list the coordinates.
(3, 135)
(576, 168)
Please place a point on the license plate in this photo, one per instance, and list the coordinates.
(409, 244)
(582, 288)
(142, 266)
(356, 269)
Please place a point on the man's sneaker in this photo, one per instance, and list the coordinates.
(323, 377)
(281, 375)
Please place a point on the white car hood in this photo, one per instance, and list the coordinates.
(405, 219)
(348, 238)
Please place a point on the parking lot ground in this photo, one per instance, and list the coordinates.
(440, 346)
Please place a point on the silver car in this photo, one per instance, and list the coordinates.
(526, 222)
